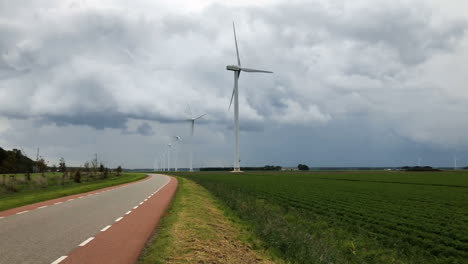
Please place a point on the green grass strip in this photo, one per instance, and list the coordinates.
(53, 192)
(198, 228)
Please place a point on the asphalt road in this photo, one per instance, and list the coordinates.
(44, 235)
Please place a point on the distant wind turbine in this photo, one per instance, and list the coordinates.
(169, 146)
(192, 120)
(162, 159)
(235, 95)
(176, 139)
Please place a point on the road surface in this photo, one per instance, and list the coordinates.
(47, 234)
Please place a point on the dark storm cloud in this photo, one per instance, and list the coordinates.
(105, 65)
(93, 59)
(145, 129)
(98, 120)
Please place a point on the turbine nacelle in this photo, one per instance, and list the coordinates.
(233, 68)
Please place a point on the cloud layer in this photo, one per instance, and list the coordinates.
(132, 68)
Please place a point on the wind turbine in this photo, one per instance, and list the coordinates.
(176, 139)
(235, 95)
(168, 152)
(192, 128)
(162, 160)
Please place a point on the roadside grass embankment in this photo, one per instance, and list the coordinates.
(351, 217)
(29, 194)
(199, 229)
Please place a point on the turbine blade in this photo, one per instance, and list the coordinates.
(199, 117)
(190, 110)
(237, 49)
(254, 70)
(233, 89)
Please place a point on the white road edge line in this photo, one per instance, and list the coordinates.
(141, 203)
(118, 219)
(85, 242)
(70, 200)
(105, 228)
(145, 200)
(44, 206)
(58, 202)
(23, 212)
(128, 212)
(57, 261)
(135, 207)
(80, 197)
(1, 217)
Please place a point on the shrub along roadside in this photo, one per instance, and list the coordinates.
(199, 229)
(33, 196)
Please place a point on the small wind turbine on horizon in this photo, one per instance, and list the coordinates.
(168, 152)
(192, 120)
(176, 140)
(162, 159)
(235, 95)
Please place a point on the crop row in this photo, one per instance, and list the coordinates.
(375, 222)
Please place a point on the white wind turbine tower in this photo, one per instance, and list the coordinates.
(168, 152)
(235, 95)
(162, 160)
(192, 129)
(176, 139)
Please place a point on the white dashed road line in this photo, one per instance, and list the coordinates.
(118, 219)
(86, 242)
(22, 212)
(128, 212)
(105, 228)
(58, 202)
(57, 261)
(42, 207)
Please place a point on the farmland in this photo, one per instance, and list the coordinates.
(351, 217)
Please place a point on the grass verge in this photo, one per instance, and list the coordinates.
(199, 229)
(34, 196)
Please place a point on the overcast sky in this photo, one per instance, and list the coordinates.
(356, 83)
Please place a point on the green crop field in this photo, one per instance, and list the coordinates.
(351, 217)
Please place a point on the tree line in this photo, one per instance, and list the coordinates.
(14, 163)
